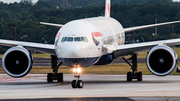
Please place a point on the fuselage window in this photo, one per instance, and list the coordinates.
(70, 39)
(64, 39)
(84, 39)
(77, 39)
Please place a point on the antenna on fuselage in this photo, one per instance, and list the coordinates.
(45, 42)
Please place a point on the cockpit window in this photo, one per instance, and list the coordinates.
(64, 39)
(70, 39)
(76, 39)
(84, 39)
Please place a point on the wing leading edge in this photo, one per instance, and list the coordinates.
(148, 26)
(43, 48)
(51, 24)
(129, 49)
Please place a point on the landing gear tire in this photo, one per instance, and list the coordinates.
(73, 84)
(129, 76)
(77, 84)
(60, 77)
(139, 76)
(80, 84)
(49, 77)
(134, 74)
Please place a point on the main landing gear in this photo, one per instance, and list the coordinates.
(77, 83)
(55, 75)
(134, 74)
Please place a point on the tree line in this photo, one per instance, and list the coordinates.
(27, 17)
(82, 3)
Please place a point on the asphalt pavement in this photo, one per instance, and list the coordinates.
(97, 87)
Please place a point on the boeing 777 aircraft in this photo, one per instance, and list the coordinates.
(91, 41)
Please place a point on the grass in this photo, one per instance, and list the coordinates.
(36, 55)
(121, 68)
(41, 55)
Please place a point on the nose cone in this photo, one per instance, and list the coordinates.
(72, 50)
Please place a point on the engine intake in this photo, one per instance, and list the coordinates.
(17, 61)
(161, 60)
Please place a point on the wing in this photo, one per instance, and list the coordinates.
(129, 49)
(123, 50)
(43, 48)
(148, 26)
(51, 24)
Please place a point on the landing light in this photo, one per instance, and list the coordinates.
(74, 69)
(77, 70)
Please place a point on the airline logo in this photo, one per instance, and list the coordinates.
(57, 36)
(96, 35)
(108, 9)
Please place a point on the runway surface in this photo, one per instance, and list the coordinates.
(97, 87)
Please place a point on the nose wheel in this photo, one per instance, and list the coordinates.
(77, 83)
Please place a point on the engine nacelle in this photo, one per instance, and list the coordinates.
(17, 61)
(161, 60)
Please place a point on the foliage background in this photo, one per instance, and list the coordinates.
(128, 12)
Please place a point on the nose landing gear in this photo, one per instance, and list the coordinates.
(77, 83)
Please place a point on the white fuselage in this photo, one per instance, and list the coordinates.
(88, 39)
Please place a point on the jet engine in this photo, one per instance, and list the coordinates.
(17, 61)
(161, 60)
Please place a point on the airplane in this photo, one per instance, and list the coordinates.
(91, 41)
